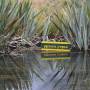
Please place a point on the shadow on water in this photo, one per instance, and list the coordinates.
(29, 72)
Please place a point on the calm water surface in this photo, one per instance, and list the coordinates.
(36, 71)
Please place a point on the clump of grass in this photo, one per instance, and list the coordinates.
(16, 19)
(74, 24)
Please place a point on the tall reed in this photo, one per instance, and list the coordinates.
(74, 23)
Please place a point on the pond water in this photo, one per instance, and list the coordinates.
(37, 71)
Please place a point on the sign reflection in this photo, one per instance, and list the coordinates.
(55, 55)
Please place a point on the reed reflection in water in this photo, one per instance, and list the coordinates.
(29, 72)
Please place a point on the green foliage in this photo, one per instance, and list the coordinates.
(16, 19)
(8, 20)
(74, 24)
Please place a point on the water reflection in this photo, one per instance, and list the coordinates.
(29, 72)
(55, 56)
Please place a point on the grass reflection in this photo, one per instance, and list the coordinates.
(28, 72)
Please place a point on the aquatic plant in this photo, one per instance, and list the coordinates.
(16, 19)
(74, 23)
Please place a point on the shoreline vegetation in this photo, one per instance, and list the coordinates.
(21, 28)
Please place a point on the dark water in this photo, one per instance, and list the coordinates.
(32, 71)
